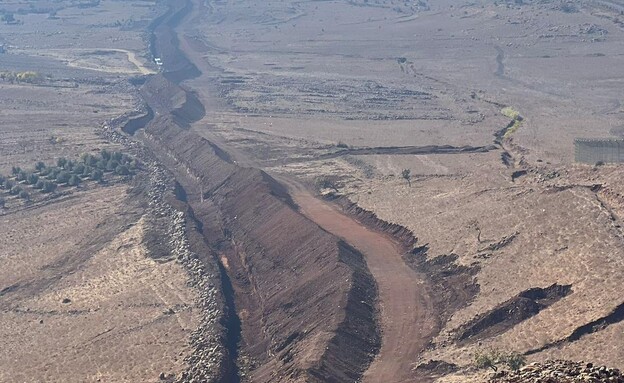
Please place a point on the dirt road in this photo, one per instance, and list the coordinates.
(408, 318)
(407, 315)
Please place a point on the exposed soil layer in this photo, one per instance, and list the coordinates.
(615, 316)
(430, 149)
(455, 285)
(508, 314)
(305, 299)
(302, 295)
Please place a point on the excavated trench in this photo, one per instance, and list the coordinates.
(301, 302)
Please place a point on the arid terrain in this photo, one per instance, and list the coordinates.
(308, 191)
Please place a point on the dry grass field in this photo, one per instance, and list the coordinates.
(288, 83)
(401, 108)
(81, 300)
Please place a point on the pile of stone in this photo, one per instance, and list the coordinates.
(560, 371)
(205, 361)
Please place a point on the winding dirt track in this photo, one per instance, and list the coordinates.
(407, 314)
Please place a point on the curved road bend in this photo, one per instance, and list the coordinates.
(407, 316)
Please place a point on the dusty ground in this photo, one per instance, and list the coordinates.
(297, 88)
(126, 317)
(82, 301)
(285, 84)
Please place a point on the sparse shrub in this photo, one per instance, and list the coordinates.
(122, 170)
(488, 359)
(24, 195)
(96, 175)
(342, 145)
(69, 166)
(515, 361)
(326, 183)
(112, 165)
(493, 358)
(74, 180)
(15, 190)
(78, 169)
(87, 171)
(88, 159)
(105, 154)
(63, 177)
(407, 175)
(48, 187)
(32, 179)
(53, 173)
(39, 166)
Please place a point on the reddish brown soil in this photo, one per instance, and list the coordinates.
(306, 299)
(408, 317)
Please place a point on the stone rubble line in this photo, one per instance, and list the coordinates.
(204, 362)
(560, 371)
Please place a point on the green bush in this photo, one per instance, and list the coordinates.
(48, 187)
(32, 179)
(15, 190)
(24, 195)
(78, 169)
(63, 177)
(96, 175)
(74, 180)
(493, 358)
(122, 170)
(39, 166)
(105, 154)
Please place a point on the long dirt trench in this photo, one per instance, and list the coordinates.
(407, 314)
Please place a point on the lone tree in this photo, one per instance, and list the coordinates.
(407, 174)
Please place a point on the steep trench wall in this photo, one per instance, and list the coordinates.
(305, 299)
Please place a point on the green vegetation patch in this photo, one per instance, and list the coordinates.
(510, 112)
(66, 173)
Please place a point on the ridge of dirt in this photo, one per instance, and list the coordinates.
(455, 284)
(508, 314)
(244, 218)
